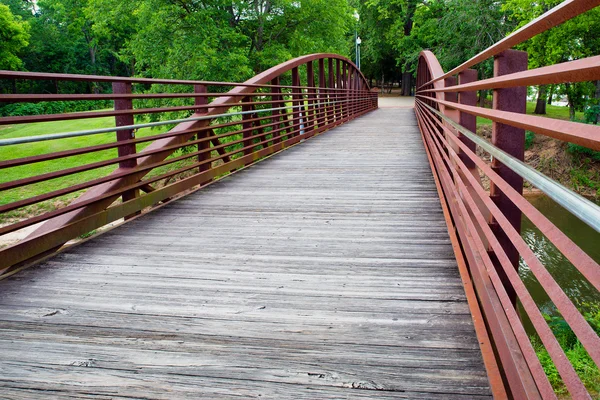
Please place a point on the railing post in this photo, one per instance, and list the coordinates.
(296, 103)
(277, 98)
(330, 91)
(350, 91)
(467, 120)
(124, 135)
(451, 97)
(310, 82)
(345, 98)
(322, 95)
(204, 134)
(338, 85)
(512, 141)
(247, 125)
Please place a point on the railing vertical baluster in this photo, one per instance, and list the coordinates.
(276, 115)
(467, 120)
(246, 124)
(310, 82)
(338, 86)
(123, 135)
(296, 101)
(344, 96)
(512, 141)
(200, 101)
(349, 90)
(354, 93)
(322, 95)
(330, 90)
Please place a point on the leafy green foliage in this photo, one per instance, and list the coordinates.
(15, 36)
(583, 151)
(591, 114)
(529, 138)
(572, 40)
(48, 107)
(576, 353)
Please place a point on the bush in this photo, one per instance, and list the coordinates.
(52, 107)
(582, 362)
(578, 150)
(529, 137)
(591, 113)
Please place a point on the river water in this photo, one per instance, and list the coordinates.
(579, 290)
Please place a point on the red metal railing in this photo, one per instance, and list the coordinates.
(227, 131)
(485, 226)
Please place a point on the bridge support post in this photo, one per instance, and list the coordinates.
(276, 115)
(467, 120)
(337, 97)
(204, 134)
(310, 82)
(322, 96)
(512, 141)
(247, 125)
(344, 85)
(124, 135)
(330, 91)
(297, 113)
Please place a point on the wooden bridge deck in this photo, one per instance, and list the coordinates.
(317, 273)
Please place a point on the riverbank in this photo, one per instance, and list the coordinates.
(556, 159)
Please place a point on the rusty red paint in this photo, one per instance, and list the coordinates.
(256, 130)
(499, 248)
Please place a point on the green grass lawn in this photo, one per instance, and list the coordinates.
(37, 148)
(557, 112)
(44, 147)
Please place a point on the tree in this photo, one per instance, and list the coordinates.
(574, 39)
(14, 33)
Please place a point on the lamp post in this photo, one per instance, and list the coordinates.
(356, 39)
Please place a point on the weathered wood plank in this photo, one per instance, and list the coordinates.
(323, 272)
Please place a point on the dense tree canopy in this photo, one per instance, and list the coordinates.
(14, 33)
(235, 39)
(191, 39)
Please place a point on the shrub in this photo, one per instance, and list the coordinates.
(52, 107)
(529, 137)
(582, 362)
(591, 114)
(578, 150)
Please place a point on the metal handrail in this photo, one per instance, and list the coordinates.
(578, 205)
(310, 105)
(487, 223)
(65, 135)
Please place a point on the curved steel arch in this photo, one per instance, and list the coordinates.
(350, 84)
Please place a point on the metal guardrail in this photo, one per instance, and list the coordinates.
(65, 135)
(486, 225)
(219, 138)
(576, 204)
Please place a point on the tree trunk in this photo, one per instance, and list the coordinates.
(551, 94)
(570, 101)
(482, 96)
(411, 8)
(540, 107)
(406, 84)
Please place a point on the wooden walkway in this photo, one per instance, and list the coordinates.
(323, 272)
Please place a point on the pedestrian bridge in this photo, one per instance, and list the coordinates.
(285, 237)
